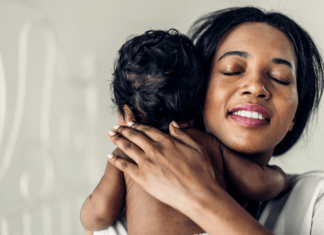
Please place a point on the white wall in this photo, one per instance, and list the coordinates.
(88, 34)
(99, 28)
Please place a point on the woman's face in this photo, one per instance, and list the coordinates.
(254, 73)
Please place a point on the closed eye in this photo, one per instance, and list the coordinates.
(278, 81)
(232, 74)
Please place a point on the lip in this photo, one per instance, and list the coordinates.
(252, 108)
(249, 122)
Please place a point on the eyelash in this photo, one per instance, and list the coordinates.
(232, 74)
(277, 80)
(269, 75)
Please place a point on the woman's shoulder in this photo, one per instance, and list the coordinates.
(314, 177)
(306, 187)
(298, 209)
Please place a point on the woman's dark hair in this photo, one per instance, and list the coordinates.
(158, 76)
(207, 32)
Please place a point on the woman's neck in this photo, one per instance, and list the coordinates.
(261, 159)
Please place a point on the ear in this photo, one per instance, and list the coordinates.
(128, 113)
(292, 124)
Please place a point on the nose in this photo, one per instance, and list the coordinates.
(255, 86)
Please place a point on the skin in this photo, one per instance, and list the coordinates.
(174, 168)
(97, 212)
(241, 78)
(238, 80)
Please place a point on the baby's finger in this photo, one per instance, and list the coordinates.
(124, 165)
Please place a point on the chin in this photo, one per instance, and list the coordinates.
(249, 150)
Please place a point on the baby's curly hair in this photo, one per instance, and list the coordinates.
(158, 76)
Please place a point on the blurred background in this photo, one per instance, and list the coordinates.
(56, 60)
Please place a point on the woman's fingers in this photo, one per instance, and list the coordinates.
(118, 153)
(128, 147)
(151, 132)
(126, 166)
(137, 134)
(166, 165)
(144, 137)
(176, 132)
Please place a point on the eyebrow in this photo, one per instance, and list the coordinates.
(282, 61)
(237, 53)
(244, 54)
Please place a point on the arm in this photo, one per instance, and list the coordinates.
(253, 181)
(218, 213)
(213, 149)
(107, 201)
(175, 170)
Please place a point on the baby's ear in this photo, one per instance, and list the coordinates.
(186, 125)
(129, 115)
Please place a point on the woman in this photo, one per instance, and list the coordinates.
(253, 62)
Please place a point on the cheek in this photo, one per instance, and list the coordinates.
(287, 106)
(212, 99)
(292, 103)
(215, 106)
(210, 108)
(217, 92)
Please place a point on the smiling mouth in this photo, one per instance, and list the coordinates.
(250, 115)
(249, 121)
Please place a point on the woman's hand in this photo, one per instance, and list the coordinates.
(171, 168)
(176, 170)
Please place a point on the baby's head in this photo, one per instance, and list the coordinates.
(157, 79)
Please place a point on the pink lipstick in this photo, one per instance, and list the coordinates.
(250, 115)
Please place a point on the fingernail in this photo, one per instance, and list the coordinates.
(111, 133)
(175, 124)
(110, 156)
(129, 123)
(116, 127)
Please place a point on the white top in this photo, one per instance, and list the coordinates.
(300, 211)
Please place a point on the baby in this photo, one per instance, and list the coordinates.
(158, 79)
